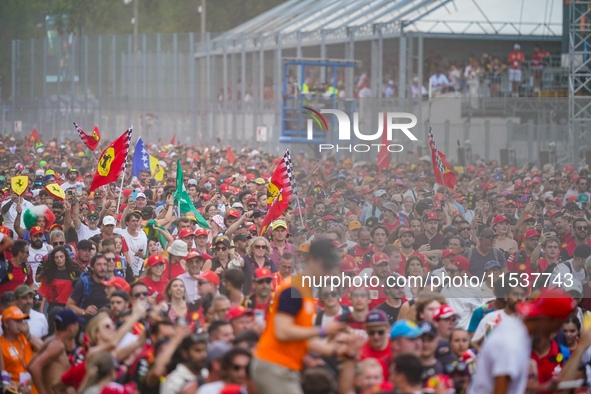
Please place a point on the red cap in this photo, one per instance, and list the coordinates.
(447, 252)
(236, 190)
(262, 273)
(126, 192)
(195, 254)
(500, 218)
(185, 233)
(249, 177)
(232, 388)
(405, 230)
(4, 230)
(554, 212)
(201, 231)
(210, 276)
(155, 259)
(528, 217)
(443, 312)
(461, 262)
(237, 311)
(518, 184)
(509, 202)
(457, 213)
(233, 213)
(573, 199)
(348, 263)
(366, 191)
(206, 197)
(487, 186)
(35, 230)
(531, 233)
(328, 217)
(379, 258)
(536, 179)
(117, 282)
(552, 303)
(432, 216)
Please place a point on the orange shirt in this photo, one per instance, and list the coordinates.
(288, 354)
(17, 355)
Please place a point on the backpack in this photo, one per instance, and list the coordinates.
(569, 264)
(87, 283)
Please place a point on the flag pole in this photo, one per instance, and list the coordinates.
(300, 211)
(124, 170)
(120, 192)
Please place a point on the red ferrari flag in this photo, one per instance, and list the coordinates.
(34, 137)
(442, 169)
(91, 141)
(279, 191)
(230, 156)
(112, 161)
(384, 155)
(172, 139)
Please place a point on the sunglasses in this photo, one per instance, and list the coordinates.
(582, 228)
(329, 294)
(92, 218)
(464, 228)
(489, 237)
(141, 294)
(237, 367)
(110, 259)
(260, 246)
(266, 281)
(221, 248)
(379, 332)
(61, 243)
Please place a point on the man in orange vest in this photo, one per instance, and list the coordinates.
(289, 333)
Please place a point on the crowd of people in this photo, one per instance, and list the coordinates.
(118, 290)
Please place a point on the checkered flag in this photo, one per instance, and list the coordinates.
(435, 152)
(289, 168)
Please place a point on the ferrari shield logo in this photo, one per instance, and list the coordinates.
(19, 184)
(105, 161)
(272, 192)
(95, 133)
(56, 191)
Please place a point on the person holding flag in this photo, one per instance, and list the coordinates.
(144, 165)
(279, 192)
(443, 173)
(182, 199)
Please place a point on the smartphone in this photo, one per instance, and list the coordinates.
(134, 194)
(79, 189)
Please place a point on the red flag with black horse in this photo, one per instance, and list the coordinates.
(279, 192)
(112, 161)
(91, 141)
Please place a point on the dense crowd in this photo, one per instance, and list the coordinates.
(120, 290)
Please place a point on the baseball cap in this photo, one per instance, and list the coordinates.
(348, 263)
(371, 221)
(109, 220)
(23, 290)
(223, 239)
(500, 218)
(210, 276)
(492, 264)
(140, 195)
(259, 181)
(185, 233)
(35, 230)
(405, 328)
(551, 303)
(531, 233)
(428, 329)
(380, 193)
(154, 259)
(279, 223)
(431, 216)
(262, 273)
(233, 213)
(84, 244)
(201, 231)
(555, 212)
(376, 316)
(194, 255)
(582, 251)
(65, 317)
(320, 224)
(461, 262)
(237, 311)
(379, 258)
(354, 224)
(443, 312)
(241, 237)
(92, 214)
(13, 313)
(117, 282)
(447, 252)
(390, 206)
(509, 202)
(237, 205)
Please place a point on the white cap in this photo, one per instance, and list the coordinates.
(517, 46)
(108, 220)
(192, 182)
(39, 173)
(237, 205)
(140, 195)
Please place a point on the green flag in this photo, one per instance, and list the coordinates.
(182, 199)
(151, 233)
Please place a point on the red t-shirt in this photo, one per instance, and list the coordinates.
(515, 59)
(156, 286)
(21, 275)
(357, 327)
(173, 270)
(59, 290)
(383, 356)
(548, 363)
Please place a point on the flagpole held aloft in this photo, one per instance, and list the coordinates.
(123, 172)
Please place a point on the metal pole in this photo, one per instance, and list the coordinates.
(224, 112)
(136, 22)
(86, 80)
(175, 81)
(114, 83)
(32, 94)
(203, 20)
(243, 87)
(100, 78)
(13, 82)
(402, 64)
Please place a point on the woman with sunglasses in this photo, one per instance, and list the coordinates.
(257, 257)
(57, 274)
(221, 249)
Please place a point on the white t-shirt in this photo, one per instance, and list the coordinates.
(564, 269)
(11, 215)
(134, 244)
(506, 352)
(68, 185)
(38, 326)
(488, 323)
(86, 233)
(35, 257)
(464, 300)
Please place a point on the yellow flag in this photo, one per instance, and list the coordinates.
(19, 184)
(153, 163)
(56, 191)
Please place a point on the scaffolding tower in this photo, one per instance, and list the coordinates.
(579, 76)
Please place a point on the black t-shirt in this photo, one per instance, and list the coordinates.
(432, 370)
(97, 296)
(390, 311)
(444, 353)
